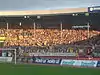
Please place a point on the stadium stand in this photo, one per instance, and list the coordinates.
(49, 40)
(47, 36)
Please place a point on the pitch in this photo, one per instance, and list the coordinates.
(26, 69)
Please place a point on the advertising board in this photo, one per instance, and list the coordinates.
(83, 63)
(95, 9)
(98, 64)
(47, 61)
(5, 59)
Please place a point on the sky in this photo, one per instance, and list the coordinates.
(45, 4)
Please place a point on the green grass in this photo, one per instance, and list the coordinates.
(22, 69)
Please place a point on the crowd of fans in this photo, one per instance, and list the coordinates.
(45, 37)
(49, 40)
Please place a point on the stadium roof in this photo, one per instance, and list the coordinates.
(52, 21)
(13, 12)
(42, 12)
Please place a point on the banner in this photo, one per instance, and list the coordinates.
(96, 54)
(84, 63)
(47, 61)
(5, 59)
(2, 38)
(53, 54)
